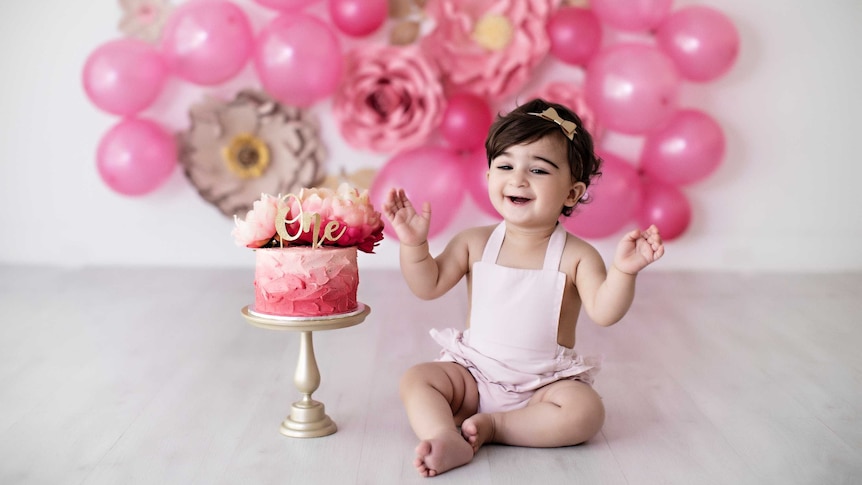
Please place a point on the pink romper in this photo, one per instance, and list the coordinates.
(511, 346)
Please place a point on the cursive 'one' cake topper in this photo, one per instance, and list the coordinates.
(315, 217)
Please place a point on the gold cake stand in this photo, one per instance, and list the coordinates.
(307, 417)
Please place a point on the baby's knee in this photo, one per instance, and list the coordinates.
(418, 375)
(586, 419)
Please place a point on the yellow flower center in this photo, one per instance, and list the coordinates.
(493, 32)
(247, 156)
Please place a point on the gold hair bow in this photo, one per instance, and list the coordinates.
(550, 114)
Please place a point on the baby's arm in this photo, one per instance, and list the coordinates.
(427, 277)
(607, 295)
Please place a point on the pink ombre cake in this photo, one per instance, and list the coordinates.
(305, 249)
(302, 281)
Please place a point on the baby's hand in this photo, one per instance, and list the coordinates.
(638, 249)
(410, 227)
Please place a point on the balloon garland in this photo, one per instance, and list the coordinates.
(424, 97)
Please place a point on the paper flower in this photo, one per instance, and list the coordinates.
(390, 99)
(572, 96)
(144, 19)
(234, 151)
(487, 47)
(315, 217)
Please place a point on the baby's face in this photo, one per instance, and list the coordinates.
(529, 184)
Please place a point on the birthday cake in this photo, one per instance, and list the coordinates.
(306, 247)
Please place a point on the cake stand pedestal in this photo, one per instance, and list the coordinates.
(307, 417)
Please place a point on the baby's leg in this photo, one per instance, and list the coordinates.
(562, 413)
(438, 396)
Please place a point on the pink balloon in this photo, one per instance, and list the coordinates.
(207, 42)
(633, 88)
(613, 200)
(474, 167)
(685, 150)
(124, 76)
(575, 34)
(286, 5)
(427, 174)
(466, 121)
(358, 18)
(665, 206)
(136, 156)
(702, 42)
(298, 59)
(631, 15)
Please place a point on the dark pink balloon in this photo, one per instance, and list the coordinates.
(298, 59)
(136, 156)
(474, 166)
(614, 199)
(124, 76)
(631, 15)
(633, 88)
(575, 34)
(358, 18)
(665, 206)
(207, 42)
(685, 150)
(465, 121)
(702, 42)
(286, 5)
(427, 174)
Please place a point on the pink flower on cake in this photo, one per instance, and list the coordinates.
(315, 217)
(258, 228)
(488, 47)
(390, 99)
(572, 96)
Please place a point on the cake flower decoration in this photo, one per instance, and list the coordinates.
(315, 217)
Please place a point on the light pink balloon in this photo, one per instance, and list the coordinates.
(614, 198)
(124, 76)
(575, 34)
(702, 42)
(207, 42)
(358, 18)
(427, 174)
(136, 156)
(685, 150)
(474, 165)
(465, 121)
(665, 206)
(633, 88)
(631, 15)
(298, 59)
(286, 5)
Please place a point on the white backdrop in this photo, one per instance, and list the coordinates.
(783, 200)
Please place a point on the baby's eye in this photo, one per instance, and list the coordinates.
(539, 171)
(504, 167)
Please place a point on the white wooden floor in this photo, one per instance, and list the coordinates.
(151, 376)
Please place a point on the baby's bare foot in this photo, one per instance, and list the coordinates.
(478, 429)
(441, 454)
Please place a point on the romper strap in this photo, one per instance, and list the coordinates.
(554, 253)
(495, 242)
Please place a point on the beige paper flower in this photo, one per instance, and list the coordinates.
(234, 151)
(144, 19)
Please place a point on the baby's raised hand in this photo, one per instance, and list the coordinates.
(638, 249)
(410, 226)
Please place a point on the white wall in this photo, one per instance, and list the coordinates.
(784, 199)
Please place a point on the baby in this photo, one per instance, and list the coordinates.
(513, 377)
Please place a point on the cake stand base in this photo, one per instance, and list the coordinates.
(307, 417)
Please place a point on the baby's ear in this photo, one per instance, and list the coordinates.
(577, 191)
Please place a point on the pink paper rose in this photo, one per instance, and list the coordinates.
(390, 99)
(488, 47)
(572, 96)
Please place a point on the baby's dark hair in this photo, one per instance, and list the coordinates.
(519, 127)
